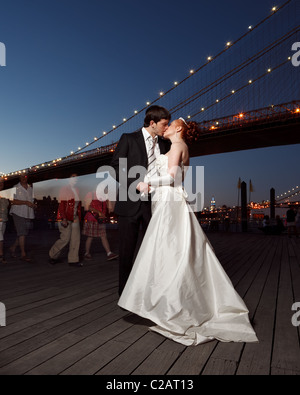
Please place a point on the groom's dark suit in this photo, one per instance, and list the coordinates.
(132, 210)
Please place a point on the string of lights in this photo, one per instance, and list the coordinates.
(290, 193)
(234, 91)
(192, 72)
(235, 71)
(229, 44)
(282, 111)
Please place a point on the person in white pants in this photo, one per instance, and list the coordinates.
(69, 217)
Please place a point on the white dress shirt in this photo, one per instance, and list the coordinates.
(146, 135)
(23, 210)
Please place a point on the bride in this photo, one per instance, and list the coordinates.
(177, 281)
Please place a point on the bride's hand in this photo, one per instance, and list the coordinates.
(143, 187)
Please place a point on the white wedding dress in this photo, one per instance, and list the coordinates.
(177, 281)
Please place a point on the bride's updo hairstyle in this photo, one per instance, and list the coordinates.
(189, 130)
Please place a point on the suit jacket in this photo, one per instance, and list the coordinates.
(132, 148)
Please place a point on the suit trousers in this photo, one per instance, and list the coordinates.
(70, 234)
(131, 230)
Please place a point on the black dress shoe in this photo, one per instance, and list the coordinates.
(75, 264)
(54, 261)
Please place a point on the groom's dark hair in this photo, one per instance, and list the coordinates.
(156, 113)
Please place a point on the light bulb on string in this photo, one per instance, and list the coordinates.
(209, 58)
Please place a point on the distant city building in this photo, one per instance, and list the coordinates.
(212, 204)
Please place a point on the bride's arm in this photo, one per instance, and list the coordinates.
(156, 181)
(174, 160)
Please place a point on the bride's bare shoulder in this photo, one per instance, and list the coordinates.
(179, 152)
(179, 146)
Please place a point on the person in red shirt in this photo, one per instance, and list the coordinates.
(69, 217)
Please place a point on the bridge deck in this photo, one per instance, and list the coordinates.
(63, 320)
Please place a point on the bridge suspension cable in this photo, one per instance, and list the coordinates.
(242, 87)
(288, 194)
(210, 94)
(234, 71)
(228, 46)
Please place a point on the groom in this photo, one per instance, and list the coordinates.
(138, 149)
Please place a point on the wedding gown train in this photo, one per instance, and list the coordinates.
(177, 281)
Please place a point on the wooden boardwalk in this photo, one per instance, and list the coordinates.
(65, 321)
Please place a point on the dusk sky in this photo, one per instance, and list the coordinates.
(74, 68)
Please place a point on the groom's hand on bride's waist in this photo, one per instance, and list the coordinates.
(143, 187)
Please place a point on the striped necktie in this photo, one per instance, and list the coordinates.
(151, 170)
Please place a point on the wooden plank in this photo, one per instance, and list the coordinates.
(160, 360)
(40, 315)
(256, 358)
(75, 285)
(286, 351)
(66, 321)
(295, 275)
(47, 298)
(78, 351)
(284, 372)
(25, 356)
(220, 367)
(193, 359)
(132, 357)
(130, 331)
(230, 353)
(27, 362)
(36, 336)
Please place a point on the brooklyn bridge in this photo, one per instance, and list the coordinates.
(65, 321)
(244, 97)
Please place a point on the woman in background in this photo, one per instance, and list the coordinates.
(95, 223)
